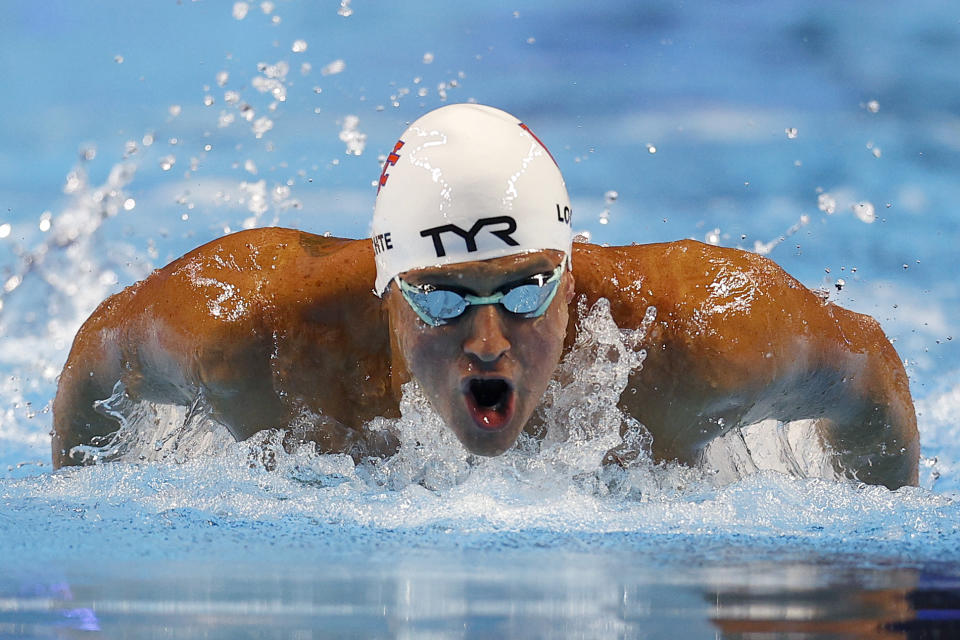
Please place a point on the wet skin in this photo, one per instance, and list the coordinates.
(270, 326)
(485, 371)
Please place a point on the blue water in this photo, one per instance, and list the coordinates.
(125, 141)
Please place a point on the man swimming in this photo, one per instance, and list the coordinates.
(467, 288)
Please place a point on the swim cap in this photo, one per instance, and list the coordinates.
(466, 182)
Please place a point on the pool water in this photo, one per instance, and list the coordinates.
(824, 135)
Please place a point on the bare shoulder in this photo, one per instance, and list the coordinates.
(737, 314)
(711, 290)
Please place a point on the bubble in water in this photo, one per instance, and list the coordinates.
(791, 132)
(240, 10)
(427, 58)
(865, 212)
(333, 68)
(167, 162)
(345, 9)
(826, 203)
(299, 46)
(5, 229)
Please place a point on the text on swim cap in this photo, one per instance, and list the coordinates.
(390, 161)
(564, 215)
(382, 242)
(470, 236)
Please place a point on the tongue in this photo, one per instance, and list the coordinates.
(488, 417)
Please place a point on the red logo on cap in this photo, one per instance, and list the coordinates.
(392, 161)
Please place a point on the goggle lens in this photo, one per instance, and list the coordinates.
(435, 306)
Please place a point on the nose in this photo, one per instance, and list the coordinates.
(486, 341)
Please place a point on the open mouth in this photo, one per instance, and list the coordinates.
(490, 401)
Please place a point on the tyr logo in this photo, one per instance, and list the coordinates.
(470, 236)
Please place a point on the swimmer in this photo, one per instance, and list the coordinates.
(470, 287)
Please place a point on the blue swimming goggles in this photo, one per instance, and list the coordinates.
(528, 298)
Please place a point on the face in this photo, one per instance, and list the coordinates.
(486, 370)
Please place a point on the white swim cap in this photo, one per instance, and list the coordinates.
(466, 182)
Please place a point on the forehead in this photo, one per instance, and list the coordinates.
(481, 275)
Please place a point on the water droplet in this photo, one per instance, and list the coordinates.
(713, 237)
(12, 283)
(531, 40)
(873, 106)
(427, 58)
(610, 197)
(826, 269)
(791, 132)
(267, 7)
(261, 126)
(222, 78)
(118, 59)
(345, 9)
(129, 204)
(208, 100)
(840, 284)
(826, 203)
(167, 162)
(906, 266)
(604, 219)
(651, 149)
(299, 46)
(240, 10)
(865, 212)
(250, 166)
(45, 219)
(5, 229)
(147, 140)
(333, 68)
(174, 110)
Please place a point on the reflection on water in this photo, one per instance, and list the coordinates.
(482, 594)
